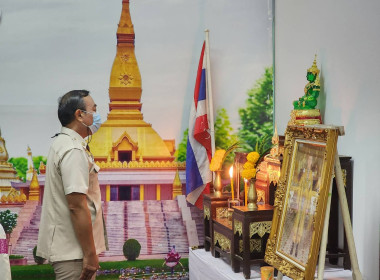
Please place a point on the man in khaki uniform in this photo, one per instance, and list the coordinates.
(72, 232)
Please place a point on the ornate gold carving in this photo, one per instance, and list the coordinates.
(285, 267)
(224, 242)
(125, 57)
(141, 164)
(238, 227)
(221, 212)
(254, 245)
(1, 150)
(260, 228)
(344, 175)
(260, 196)
(206, 212)
(273, 175)
(126, 78)
(320, 135)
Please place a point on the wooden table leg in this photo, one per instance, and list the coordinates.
(246, 250)
(235, 264)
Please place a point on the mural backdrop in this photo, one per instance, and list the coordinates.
(50, 47)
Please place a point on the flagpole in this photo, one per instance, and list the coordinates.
(209, 93)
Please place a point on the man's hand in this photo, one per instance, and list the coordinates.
(81, 219)
(90, 266)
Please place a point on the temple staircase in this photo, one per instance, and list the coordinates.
(25, 215)
(28, 236)
(157, 225)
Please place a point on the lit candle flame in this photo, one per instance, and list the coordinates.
(231, 171)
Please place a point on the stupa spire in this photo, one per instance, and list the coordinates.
(125, 81)
(29, 172)
(125, 136)
(34, 187)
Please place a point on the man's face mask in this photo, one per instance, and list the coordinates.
(96, 123)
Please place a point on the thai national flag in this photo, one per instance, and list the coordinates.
(198, 156)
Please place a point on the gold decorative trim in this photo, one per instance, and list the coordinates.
(260, 228)
(125, 57)
(141, 164)
(254, 245)
(224, 242)
(260, 196)
(282, 258)
(307, 122)
(238, 227)
(273, 175)
(221, 212)
(344, 175)
(206, 212)
(307, 113)
(126, 78)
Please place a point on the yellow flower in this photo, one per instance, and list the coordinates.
(249, 165)
(248, 173)
(253, 157)
(217, 160)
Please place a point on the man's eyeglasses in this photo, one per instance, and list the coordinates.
(92, 113)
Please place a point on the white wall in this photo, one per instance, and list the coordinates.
(346, 37)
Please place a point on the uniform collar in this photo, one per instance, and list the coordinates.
(72, 133)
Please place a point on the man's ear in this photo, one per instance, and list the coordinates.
(78, 114)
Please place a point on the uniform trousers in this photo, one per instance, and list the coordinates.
(69, 270)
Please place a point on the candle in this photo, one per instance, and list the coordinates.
(232, 182)
(237, 185)
(267, 273)
(245, 192)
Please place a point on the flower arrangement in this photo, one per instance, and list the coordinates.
(220, 156)
(249, 168)
(254, 158)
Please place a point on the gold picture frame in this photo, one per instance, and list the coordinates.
(300, 200)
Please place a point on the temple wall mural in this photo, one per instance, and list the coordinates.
(139, 61)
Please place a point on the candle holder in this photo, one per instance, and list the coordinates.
(233, 202)
(239, 160)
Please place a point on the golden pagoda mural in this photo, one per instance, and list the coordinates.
(136, 163)
(8, 175)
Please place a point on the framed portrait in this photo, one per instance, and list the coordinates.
(301, 199)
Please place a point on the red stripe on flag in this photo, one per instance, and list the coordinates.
(199, 75)
(202, 135)
(199, 202)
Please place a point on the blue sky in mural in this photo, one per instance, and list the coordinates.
(48, 47)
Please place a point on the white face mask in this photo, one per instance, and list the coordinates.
(96, 123)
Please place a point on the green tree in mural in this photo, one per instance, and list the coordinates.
(223, 136)
(180, 154)
(223, 133)
(21, 165)
(257, 117)
(37, 160)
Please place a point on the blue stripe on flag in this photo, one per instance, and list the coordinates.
(202, 86)
(193, 176)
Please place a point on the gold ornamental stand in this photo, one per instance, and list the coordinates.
(356, 274)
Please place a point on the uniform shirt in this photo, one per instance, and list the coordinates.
(5, 267)
(70, 168)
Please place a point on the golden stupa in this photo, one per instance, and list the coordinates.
(34, 188)
(125, 136)
(7, 172)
